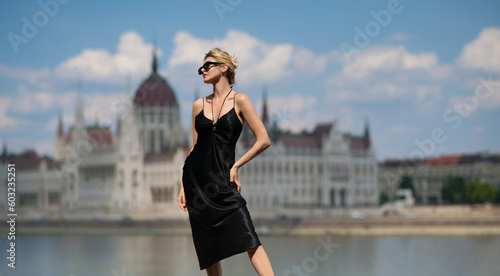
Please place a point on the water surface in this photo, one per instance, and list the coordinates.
(154, 255)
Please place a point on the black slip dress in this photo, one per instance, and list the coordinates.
(220, 222)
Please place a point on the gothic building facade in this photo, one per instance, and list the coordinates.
(323, 168)
(138, 168)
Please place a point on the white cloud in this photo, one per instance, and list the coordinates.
(294, 112)
(133, 57)
(103, 107)
(485, 94)
(27, 101)
(387, 59)
(31, 75)
(5, 121)
(386, 72)
(483, 52)
(424, 91)
(258, 61)
(490, 88)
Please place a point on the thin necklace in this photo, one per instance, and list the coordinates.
(220, 106)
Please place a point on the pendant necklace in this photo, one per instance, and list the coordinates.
(213, 122)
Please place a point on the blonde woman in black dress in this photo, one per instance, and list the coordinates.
(210, 190)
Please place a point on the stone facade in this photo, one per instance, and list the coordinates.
(137, 170)
(428, 174)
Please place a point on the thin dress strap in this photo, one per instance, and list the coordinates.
(203, 104)
(234, 98)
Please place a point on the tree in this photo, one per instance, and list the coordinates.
(383, 198)
(480, 192)
(454, 190)
(406, 182)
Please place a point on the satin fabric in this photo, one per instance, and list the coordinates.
(221, 225)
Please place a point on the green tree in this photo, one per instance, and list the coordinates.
(454, 190)
(383, 198)
(406, 182)
(480, 192)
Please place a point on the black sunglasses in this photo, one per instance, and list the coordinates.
(207, 65)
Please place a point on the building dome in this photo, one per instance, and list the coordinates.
(155, 91)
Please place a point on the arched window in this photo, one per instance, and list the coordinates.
(162, 146)
(152, 141)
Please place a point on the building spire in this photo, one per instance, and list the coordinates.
(96, 119)
(79, 104)
(118, 125)
(366, 135)
(60, 131)
(155, 61)
(265, 116)
(78, 133)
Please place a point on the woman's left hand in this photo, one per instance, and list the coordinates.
(233, 175)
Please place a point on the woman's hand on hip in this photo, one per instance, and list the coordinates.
(181, 199)
(233, 175)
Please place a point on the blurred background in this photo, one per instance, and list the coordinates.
(383, 116)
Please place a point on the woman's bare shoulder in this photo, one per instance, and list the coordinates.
(242, 99)
(198, 105)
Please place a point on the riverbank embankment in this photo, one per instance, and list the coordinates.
(389, 221)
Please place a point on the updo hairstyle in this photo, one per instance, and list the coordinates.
(224, 57)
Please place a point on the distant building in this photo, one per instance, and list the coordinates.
(324, 168)
(428, 174)
(137, 170)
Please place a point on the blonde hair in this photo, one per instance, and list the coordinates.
(224, 57)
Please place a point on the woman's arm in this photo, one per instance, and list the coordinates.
(247, 112)
(197, 107)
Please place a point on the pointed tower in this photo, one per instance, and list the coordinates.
(118, 126)
(366, 135)
(79, 136)
(265, 115)
(130, 191)
(60, 131)
(96, 119)
(59, 141)
(118, 117)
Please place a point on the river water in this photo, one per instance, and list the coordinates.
(154, 255)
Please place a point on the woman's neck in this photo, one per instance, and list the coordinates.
(221, 89)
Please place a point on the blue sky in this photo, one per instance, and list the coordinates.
(424, 73)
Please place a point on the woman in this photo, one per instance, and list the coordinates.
(210, 190)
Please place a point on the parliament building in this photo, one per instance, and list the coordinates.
(136, 170)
